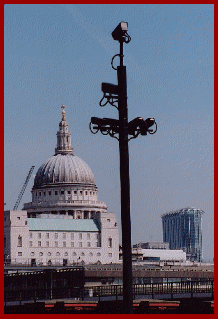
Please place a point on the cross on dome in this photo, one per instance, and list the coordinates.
(63, 113)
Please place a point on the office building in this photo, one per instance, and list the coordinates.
(182, 229)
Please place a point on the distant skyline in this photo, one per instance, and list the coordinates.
(60, 53)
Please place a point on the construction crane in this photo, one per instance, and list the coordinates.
(23, 188)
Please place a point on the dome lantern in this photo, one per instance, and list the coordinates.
(63, 137)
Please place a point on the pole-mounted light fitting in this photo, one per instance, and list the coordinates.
(112, 126)
(134, 126)
(109, 88)
(104, 122)
(140, 126)
(120, 32)
(105, 125)
(149, 122)
(111, 93)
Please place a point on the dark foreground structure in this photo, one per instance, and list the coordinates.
(98, 289)
(123, 131)
(185, 306)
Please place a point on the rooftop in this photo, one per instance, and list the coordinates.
(57, 224)
(182, 211)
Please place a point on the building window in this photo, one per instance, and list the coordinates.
(64, 235)
(25, 222)
(44, 193)
(90, 254)
(92, 215)
(57, 254)
(40, 254)
(49, 254)
(86, 215)
(31, 243)
(80, 236)
(49, 193)
(110, 242)
(39, 235)
(98, 254)
(110, 254)
(47, 235)
(62, 192)
(19, 243)
(89, 244)
(39, 193)
(18, 218)
(72, 235)
(81, 192)
(56, 244)
(88, 236)
(74, 254)
(64, 243)
(68, 192)
(19, 253)
(80, 244)
(82, 254)
(75, 192)
(39, 243)
(31, 235)
(86, 193)
(108, 220)
(56, 235)
(72, 244)
(66, 254)
(47, 244)
(56, 192)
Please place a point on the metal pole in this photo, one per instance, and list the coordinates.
(51, 284)
(212, 289)
(112, 127)
(125, 188)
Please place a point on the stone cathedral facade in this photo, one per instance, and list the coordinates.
(65, 223)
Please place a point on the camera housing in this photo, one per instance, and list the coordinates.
(120, 31)
(109, 88)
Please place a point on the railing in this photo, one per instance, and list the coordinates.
(114, 291)
(25, 263)
(152, 289)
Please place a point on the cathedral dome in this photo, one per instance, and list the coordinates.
(61, 168)
(64, 166)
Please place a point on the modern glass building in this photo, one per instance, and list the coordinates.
(182, 229)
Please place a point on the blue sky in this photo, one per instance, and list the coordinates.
(60, 53)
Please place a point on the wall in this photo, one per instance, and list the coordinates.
(18, 226)
(165, 254)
